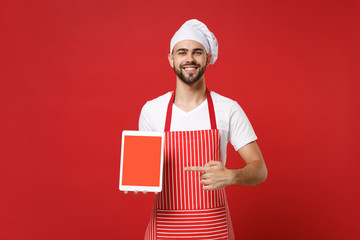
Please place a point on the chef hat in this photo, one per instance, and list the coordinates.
(195, 30)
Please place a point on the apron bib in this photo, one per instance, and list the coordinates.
(183, 210)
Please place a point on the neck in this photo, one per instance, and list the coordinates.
(189, 96)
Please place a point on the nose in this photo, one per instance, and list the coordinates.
(190, 57)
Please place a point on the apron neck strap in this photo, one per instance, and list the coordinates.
(210, 106)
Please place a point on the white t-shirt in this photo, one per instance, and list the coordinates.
(231, 120)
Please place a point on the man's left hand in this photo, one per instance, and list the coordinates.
(214, 175)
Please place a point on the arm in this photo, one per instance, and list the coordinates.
(254, 172)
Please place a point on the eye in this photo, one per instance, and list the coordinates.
(181, 53)
(198, 53)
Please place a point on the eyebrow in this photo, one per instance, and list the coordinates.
(185, 49)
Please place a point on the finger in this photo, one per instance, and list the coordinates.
(205, 182)
(212, 163)
(126, 192)
(144, 192)
(208, 187)
(156, 193)
(196, 169)
(205, 175)
(136, 192)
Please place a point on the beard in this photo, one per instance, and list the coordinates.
(192, 77)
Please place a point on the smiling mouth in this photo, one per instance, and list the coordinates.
(190, 68)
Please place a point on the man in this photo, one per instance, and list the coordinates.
(198, 124)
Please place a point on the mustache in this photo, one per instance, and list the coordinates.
(190, 64)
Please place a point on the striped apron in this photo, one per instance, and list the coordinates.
(183, 210)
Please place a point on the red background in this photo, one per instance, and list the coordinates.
(74, 74)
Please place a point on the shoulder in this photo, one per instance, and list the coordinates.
(156, 106)
(221, 99)
(157, 103)
(227, 111)
(232, 118)
(153, 113)
(224, 103)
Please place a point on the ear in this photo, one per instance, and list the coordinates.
(171, 60)
(208, 60)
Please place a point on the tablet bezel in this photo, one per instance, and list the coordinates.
(141, 188)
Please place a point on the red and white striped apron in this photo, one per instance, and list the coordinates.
(183, 210)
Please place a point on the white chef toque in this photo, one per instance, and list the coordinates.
(197, 31)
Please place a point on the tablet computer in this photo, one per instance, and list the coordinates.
(142, 156)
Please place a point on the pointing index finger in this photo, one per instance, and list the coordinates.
(196, 169)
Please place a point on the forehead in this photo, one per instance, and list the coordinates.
(188, 44)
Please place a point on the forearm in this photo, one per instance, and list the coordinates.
(252, 174)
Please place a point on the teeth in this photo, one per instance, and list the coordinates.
(189, 68)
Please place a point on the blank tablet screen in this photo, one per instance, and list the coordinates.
(141, 161)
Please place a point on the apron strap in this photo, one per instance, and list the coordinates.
(210, 106)
(211, 110)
